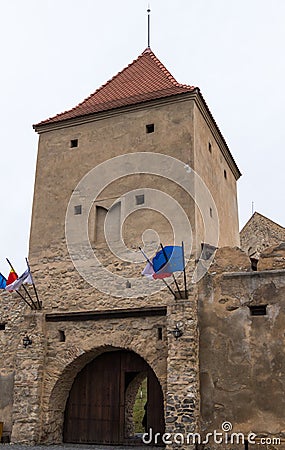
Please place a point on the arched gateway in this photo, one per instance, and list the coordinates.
(101, 402)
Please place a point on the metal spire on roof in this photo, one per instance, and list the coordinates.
(148, 27)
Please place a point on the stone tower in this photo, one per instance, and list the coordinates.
(85, 331)
(141, 109)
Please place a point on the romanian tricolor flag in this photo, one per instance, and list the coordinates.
(11, 278)
(26, 277)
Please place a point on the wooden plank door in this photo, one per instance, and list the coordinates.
(95, 410)
(155, 407)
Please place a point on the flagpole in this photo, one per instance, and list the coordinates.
(25, 289)
(34, 286)
(26, 301)
(167, 260)
(149, 261)
(19, 294)
(185, 280)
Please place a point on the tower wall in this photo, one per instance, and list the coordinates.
(60, 168)
(210, 163)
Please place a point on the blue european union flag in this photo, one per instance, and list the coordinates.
(169, 260)
(2, 281)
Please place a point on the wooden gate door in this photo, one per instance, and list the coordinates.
(95, 410)
(155, 408)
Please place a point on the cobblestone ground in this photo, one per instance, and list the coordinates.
(74, 447)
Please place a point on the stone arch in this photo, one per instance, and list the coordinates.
(57, 390)
(56, 399)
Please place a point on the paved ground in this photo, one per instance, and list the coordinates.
(74, 447)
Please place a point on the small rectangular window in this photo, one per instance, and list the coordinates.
(159, 333)
(211, 212)
(254, 263)
(77, 209)
(140, 199)
(61, 335)
(2, 326)
(73, 143)
(210, 147)
(258, 310)
(225, 174)
(150, 128)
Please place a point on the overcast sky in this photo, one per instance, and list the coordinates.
(54, 53)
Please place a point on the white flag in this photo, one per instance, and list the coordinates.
(26, 277)
(148, 271)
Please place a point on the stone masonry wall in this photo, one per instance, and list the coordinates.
(10, 340)
(240, 372)
(259, 233)
(182, 406)
(24, 366)
(49, 366)
(241, 355)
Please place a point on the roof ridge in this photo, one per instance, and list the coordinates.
(115, 92)
(254, 215)
(155, 58)
(166, 71)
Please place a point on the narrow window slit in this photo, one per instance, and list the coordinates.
(61, 335)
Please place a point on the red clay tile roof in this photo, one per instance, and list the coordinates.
(144, 79)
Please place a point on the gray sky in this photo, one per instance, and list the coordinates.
(54, 53)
